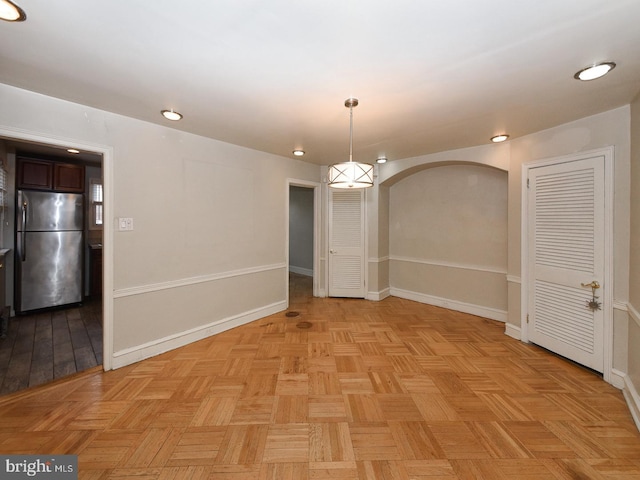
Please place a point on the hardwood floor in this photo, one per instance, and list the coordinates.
(347, 389)
(50, 345)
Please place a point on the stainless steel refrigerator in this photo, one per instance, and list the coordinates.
(49, 246)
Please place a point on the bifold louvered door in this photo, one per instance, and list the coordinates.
(566, 252)
(346, 243)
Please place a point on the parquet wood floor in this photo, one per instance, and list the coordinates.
(391, 390)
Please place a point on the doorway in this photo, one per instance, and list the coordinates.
(303, 219)
(64, 340)
(567, 277)
(347, 243)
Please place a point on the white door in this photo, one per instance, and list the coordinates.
(566, 228)
(346, 243)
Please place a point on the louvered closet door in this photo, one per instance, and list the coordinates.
(346, 243)
(566, 249)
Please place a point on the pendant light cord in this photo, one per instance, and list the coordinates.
(351, 133)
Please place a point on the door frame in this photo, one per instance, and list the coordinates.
(108, 225)
(607, 287)
(291, 182)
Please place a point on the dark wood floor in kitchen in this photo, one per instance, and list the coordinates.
(49, 345)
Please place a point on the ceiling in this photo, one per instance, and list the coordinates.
(273, 75)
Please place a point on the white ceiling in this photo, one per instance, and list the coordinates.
(273, 75)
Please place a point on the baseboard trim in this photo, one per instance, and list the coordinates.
(513, 331)
(377, 296)
(617, 378)
(480, 311)
(308, 272)
(151, 349)
(633, 400)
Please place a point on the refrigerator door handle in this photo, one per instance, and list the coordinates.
(23, 253)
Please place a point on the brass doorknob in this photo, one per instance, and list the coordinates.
(593, 284)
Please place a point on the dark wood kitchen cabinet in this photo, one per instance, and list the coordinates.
(49, 175)
(4, 309)
(95, 261)
(35, 174)
(68, 178)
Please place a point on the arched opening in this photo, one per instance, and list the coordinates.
(448, 236)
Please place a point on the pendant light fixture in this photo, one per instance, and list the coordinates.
(351, 174)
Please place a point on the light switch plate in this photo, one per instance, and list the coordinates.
(125, 224)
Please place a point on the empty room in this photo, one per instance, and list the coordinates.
(320, 240)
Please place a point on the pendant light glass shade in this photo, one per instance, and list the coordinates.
(351, 174)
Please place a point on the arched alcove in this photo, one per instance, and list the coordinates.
(447, 233)
(496, 156)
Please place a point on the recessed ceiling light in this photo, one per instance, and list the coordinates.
(171, 115)
(381, 160)
(11, 12)
(73, 150)
(499, 138)
(594, 71)
(298, 153)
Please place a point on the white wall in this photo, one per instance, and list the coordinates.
(209, 222)
(435, 281)
(607, 129)
(448, 238)
(378, 241)
(610, 128)
(633, 339)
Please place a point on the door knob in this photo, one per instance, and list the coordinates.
(592, 285)
(332, 251)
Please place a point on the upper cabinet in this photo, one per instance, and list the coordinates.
(68, 178)
(48, 175)
(35, 174)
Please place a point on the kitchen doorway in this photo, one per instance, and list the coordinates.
(44, 345)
